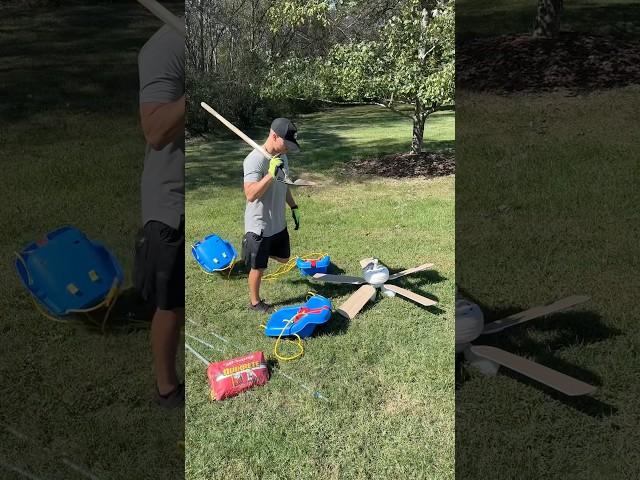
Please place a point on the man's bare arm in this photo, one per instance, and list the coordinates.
(162, 123)
(255, 190)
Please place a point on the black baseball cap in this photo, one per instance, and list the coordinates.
(285, 129)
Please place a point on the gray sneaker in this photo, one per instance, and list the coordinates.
(261, 307)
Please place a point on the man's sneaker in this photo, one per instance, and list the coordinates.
(261, 307)
(173, 399)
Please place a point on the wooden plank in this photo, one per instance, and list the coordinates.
(426, 266)
(352, 306)
(551, 378)
(327, 277)
(427, 302)
(165, 15)
(535, 312)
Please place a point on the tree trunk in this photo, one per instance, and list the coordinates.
(548, 18)
(419, 118)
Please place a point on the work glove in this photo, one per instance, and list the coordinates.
(295, 213)
(274, 163)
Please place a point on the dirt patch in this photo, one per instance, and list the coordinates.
(574, 61)
(403, 165)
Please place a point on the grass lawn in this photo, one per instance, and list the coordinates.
(388, 374)
(548, 209)
(72, 153)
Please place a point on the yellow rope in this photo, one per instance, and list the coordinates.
(287, 267)
(298, 343)
(281, 271)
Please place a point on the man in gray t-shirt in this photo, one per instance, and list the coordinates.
(265, 225)
(159, 263)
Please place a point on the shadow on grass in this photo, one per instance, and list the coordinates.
(129, 314)
(568, 328)
(337, 325)
(218, 162)
(73, 56)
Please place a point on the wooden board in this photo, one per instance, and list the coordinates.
(535, 312)
(165, 15)
(326, 277)
(352, 306)
(426, 266)
(552, 378)
(427, 302)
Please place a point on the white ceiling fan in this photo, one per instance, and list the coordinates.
(470, 325)
(374, 276)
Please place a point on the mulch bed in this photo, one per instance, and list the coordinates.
(404, 165)
(577, 62)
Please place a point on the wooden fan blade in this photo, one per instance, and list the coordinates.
(427, 302)
(426, 266)
(326, 277)
(535, 312)
(365, 261)
(551, 378)
(352, 306)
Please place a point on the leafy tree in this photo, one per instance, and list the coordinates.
(404, 56)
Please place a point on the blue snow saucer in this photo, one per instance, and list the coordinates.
(316, 311)
(213, 253)
(311, 267)
(67, 272)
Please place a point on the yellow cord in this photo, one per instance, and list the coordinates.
(281, 271)
(287, 267)
(298, 343)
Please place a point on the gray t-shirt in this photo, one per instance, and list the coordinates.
(161, 72)
(265, 215)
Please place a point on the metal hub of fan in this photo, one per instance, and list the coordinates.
(374, 278)
(375, 274)
(470, 325)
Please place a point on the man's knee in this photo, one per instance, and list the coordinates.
(163, 316)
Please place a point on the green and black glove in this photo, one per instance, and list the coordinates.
(296, 216)
(274, 163)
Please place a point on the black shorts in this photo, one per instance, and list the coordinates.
(257, 249)
(159, 265)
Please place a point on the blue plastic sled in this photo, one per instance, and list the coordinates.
(316, 311)
(311, 267)
(66, 272)
(213, 253)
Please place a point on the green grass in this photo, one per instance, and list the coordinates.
(388, 374)
(548, 207)
(72, 152)
(616, 17)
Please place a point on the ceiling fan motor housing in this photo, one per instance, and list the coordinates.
(375, 274)
(469, 323)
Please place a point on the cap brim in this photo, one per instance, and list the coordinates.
(292, 146)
